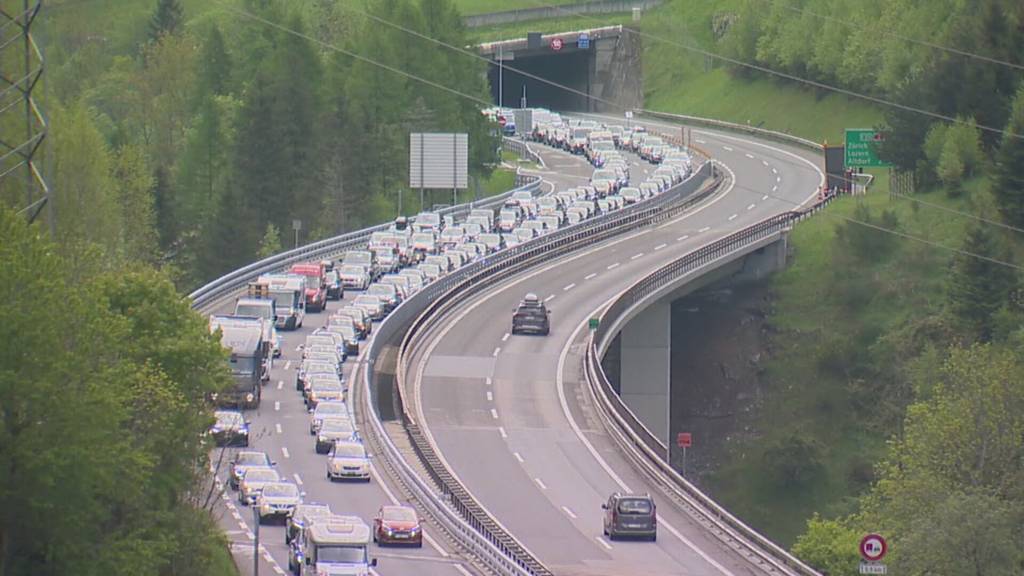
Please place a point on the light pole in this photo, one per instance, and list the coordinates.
(256, 541)
(501, 70)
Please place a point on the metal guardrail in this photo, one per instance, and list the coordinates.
(237, 279)
(740, 128)
(635, 438)
(425, 308)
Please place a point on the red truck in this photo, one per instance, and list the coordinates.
(316, 288)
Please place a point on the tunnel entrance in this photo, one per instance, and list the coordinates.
(571, 69)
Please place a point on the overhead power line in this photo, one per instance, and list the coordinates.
(907, 39)
(403, 73)
(802, 80)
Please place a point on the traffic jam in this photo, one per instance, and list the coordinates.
(336, 303)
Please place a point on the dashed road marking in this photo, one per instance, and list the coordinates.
(488, 381)
(775, 170)
(505, 337)
(278, 428)
(751, 207)
(603, 543)
(751, 156)
(733, 217)
(765, 197)
(549, 298)
(591, 275)
(699, 141)
(288, 365)
(277, 406)
(683, 237)
(298, 480)
(490, 396)
(727, 148)
(518, 457)
(494, 413)
(613, 266)
(497, 351)
(284, 451)
(704, 229)
(765, 162)
(635, 256)
(569, 287)
(568, 512)
(540, 483)
(501, 430)
(778, 178)
(280, 384)
(660, 246)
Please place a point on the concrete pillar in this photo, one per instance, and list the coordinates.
(646, 354)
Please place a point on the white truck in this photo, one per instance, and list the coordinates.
(334, 545)
(289, 294)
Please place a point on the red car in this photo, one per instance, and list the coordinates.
(397, 525)
(316, 285)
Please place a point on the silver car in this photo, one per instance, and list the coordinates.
(276, 501)
(372, 304)
(334, 430)
(254, 481)
(326, 410)
(348, 461)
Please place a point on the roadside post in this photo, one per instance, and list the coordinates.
(296, 226)
(256, 540)
(873, 548)
(684, 440)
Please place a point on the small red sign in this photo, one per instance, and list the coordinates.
(873, 547)
(684, 439)
(556, 44)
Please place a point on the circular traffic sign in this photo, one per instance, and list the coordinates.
(556, 44)
(873, 547)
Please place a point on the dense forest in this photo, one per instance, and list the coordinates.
(190, 135)
(894, 391)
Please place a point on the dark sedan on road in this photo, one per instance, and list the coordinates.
(230, 429)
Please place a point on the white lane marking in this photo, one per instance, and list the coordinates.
(765, 162)
(236, 515)
(778, 178)
(683, 237)
(568, 512)
(488, 381)
(635, 256)
(505, 337)
(727, 148)
(280, 384)
(603, 543)
(559, 384)
(775, 170)
(284, 451)
(613, 266)
(501, 430)
(494, 413)
(490, 396)
(660, 246)
(733, 217)
(462, 570)
(518, 457)
(278, 427)
(751, 207)
(765, 197)
(298, 480)
(249, 534)
(704, 229)
(775, 187)
(277, 406)
(288, 365)
(497, 351)
(751, 156)
(299, 347)
(569, 287)
(540, 483)
(549, 298)
(698, 141)
(278, 570)
(591, 275)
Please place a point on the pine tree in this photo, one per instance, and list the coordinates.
(978, 288)
(1009, 172)
(167, 19)
(214, 66)
(271, 242)
(134, 188)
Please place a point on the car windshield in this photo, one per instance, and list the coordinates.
(634, 506)
(351, 271)
(330, 408)
(282, 490)
(337, 425)
(349, 451)
(347, 331)
(341, 554)
(367, 300)
(358, 258)
(507, 215)
(429, 218)
(229, 419)
(253, 310)
(252, 459)
(423, 238)
(261, 475)
(603, 175)
(399, 514)
(385, 289)
(524, 233)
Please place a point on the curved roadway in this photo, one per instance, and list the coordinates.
(510, 414)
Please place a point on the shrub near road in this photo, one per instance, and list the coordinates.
(102, 379)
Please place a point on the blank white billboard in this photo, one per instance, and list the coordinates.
(438, 160)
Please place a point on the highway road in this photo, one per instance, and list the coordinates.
(280, 427)
(510, 414)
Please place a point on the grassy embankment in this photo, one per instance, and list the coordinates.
(812, 318)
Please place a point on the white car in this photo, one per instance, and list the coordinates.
(277, 500)
(348, 461)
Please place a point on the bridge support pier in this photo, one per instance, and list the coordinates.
(644, 368)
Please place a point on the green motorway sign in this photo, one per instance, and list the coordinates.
(861, 148)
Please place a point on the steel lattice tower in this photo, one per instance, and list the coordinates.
(22, 125)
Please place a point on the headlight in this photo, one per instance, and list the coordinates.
(249, 397)
(321, 439)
